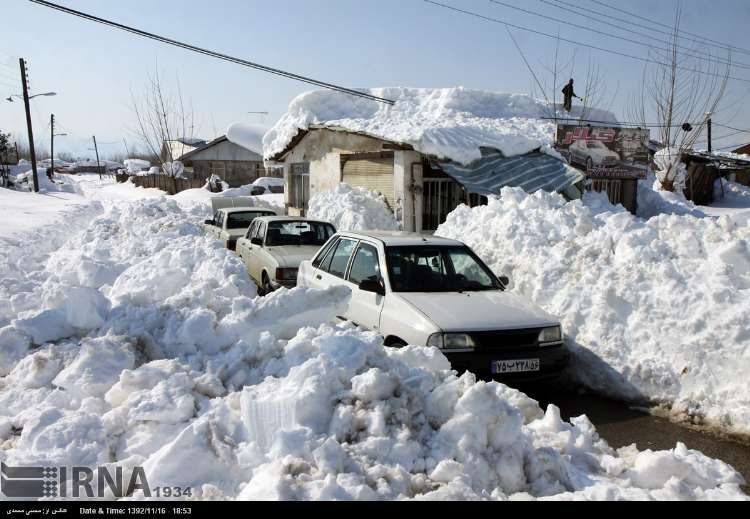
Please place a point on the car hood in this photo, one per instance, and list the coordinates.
(292, 255)
(477, 311)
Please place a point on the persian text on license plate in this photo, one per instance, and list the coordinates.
(515, 366)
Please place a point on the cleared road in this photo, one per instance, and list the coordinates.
(621, 426)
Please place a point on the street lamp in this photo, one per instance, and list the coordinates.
(26, 98)
(19, 96)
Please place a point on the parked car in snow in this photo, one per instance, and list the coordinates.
(267, 186)
(429, 291)
(230, 223)
(592, 153)
(274, 246)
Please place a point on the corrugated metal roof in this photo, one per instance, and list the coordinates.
(531, 172)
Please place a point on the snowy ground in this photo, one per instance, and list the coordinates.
(130, 338)
(654, 309)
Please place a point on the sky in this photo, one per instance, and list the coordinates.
(95, 70)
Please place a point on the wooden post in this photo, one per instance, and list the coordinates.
(28, 123)
(98, 166)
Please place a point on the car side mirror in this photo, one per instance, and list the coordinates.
(208, 222)
(256, 241)
(505, 280)
(372, 285)
(257, 191)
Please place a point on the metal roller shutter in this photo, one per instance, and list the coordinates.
(374, 173)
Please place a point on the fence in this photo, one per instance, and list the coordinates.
(166, 183)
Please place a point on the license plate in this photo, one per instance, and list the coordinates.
(515, 366)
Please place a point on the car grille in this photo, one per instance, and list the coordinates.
(506, 339)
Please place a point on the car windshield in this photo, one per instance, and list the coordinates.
(243, 219)
(438, 269)
(298, 233)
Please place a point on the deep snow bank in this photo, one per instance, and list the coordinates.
(654, 309)
(352, 209)
(446, 122)
(156, 354)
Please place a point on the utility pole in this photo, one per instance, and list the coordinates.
(98, 166)
(52, 144)
(708, 124)
(24, 81)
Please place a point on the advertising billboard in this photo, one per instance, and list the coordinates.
(605, 152)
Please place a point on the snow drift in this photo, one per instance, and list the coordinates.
(449, 123)
(653, 309)
(352, 209)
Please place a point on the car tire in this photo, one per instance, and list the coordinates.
(266, 288)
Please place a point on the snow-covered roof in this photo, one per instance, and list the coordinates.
(448, 123)
(249, 136)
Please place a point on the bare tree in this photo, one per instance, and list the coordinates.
(162, 119)
(594, 93)
(681, 90)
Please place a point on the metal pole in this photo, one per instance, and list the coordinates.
(710, 147)
(52, 144)
(28, 123)
(98, 166)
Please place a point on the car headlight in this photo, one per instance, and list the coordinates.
(451, 341)
(553, 334)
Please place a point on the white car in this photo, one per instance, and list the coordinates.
(274, 246)
(592, 153)
(267, 186)
(429, 291)
(230, 223)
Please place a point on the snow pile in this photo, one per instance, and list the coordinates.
(151, 350)
(108, 165)
(248, 136)
(352, 209)
(174, 169)
(653, 200)
(448, 123)
(59, 184)
(652, 309)
(136, 165)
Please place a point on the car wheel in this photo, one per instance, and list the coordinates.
(267, 288)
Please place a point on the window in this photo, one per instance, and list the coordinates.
(323, 253)
(241, 220)
(340, 258)
(298, 232)
(365, 265)
(251, 230)
(300, 185)
(219, 219)
(260, 231)
(438, 269)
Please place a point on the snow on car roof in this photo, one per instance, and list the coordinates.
(289, 219)
(447, 123)
(243, 209)
(394, 238)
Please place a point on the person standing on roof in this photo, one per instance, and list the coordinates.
(569, 95)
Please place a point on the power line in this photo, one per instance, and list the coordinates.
(732, 128)
(591, 29)
(699, 54)
(703, 38)
(670, 34)
(602, 49)
(213, 54)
